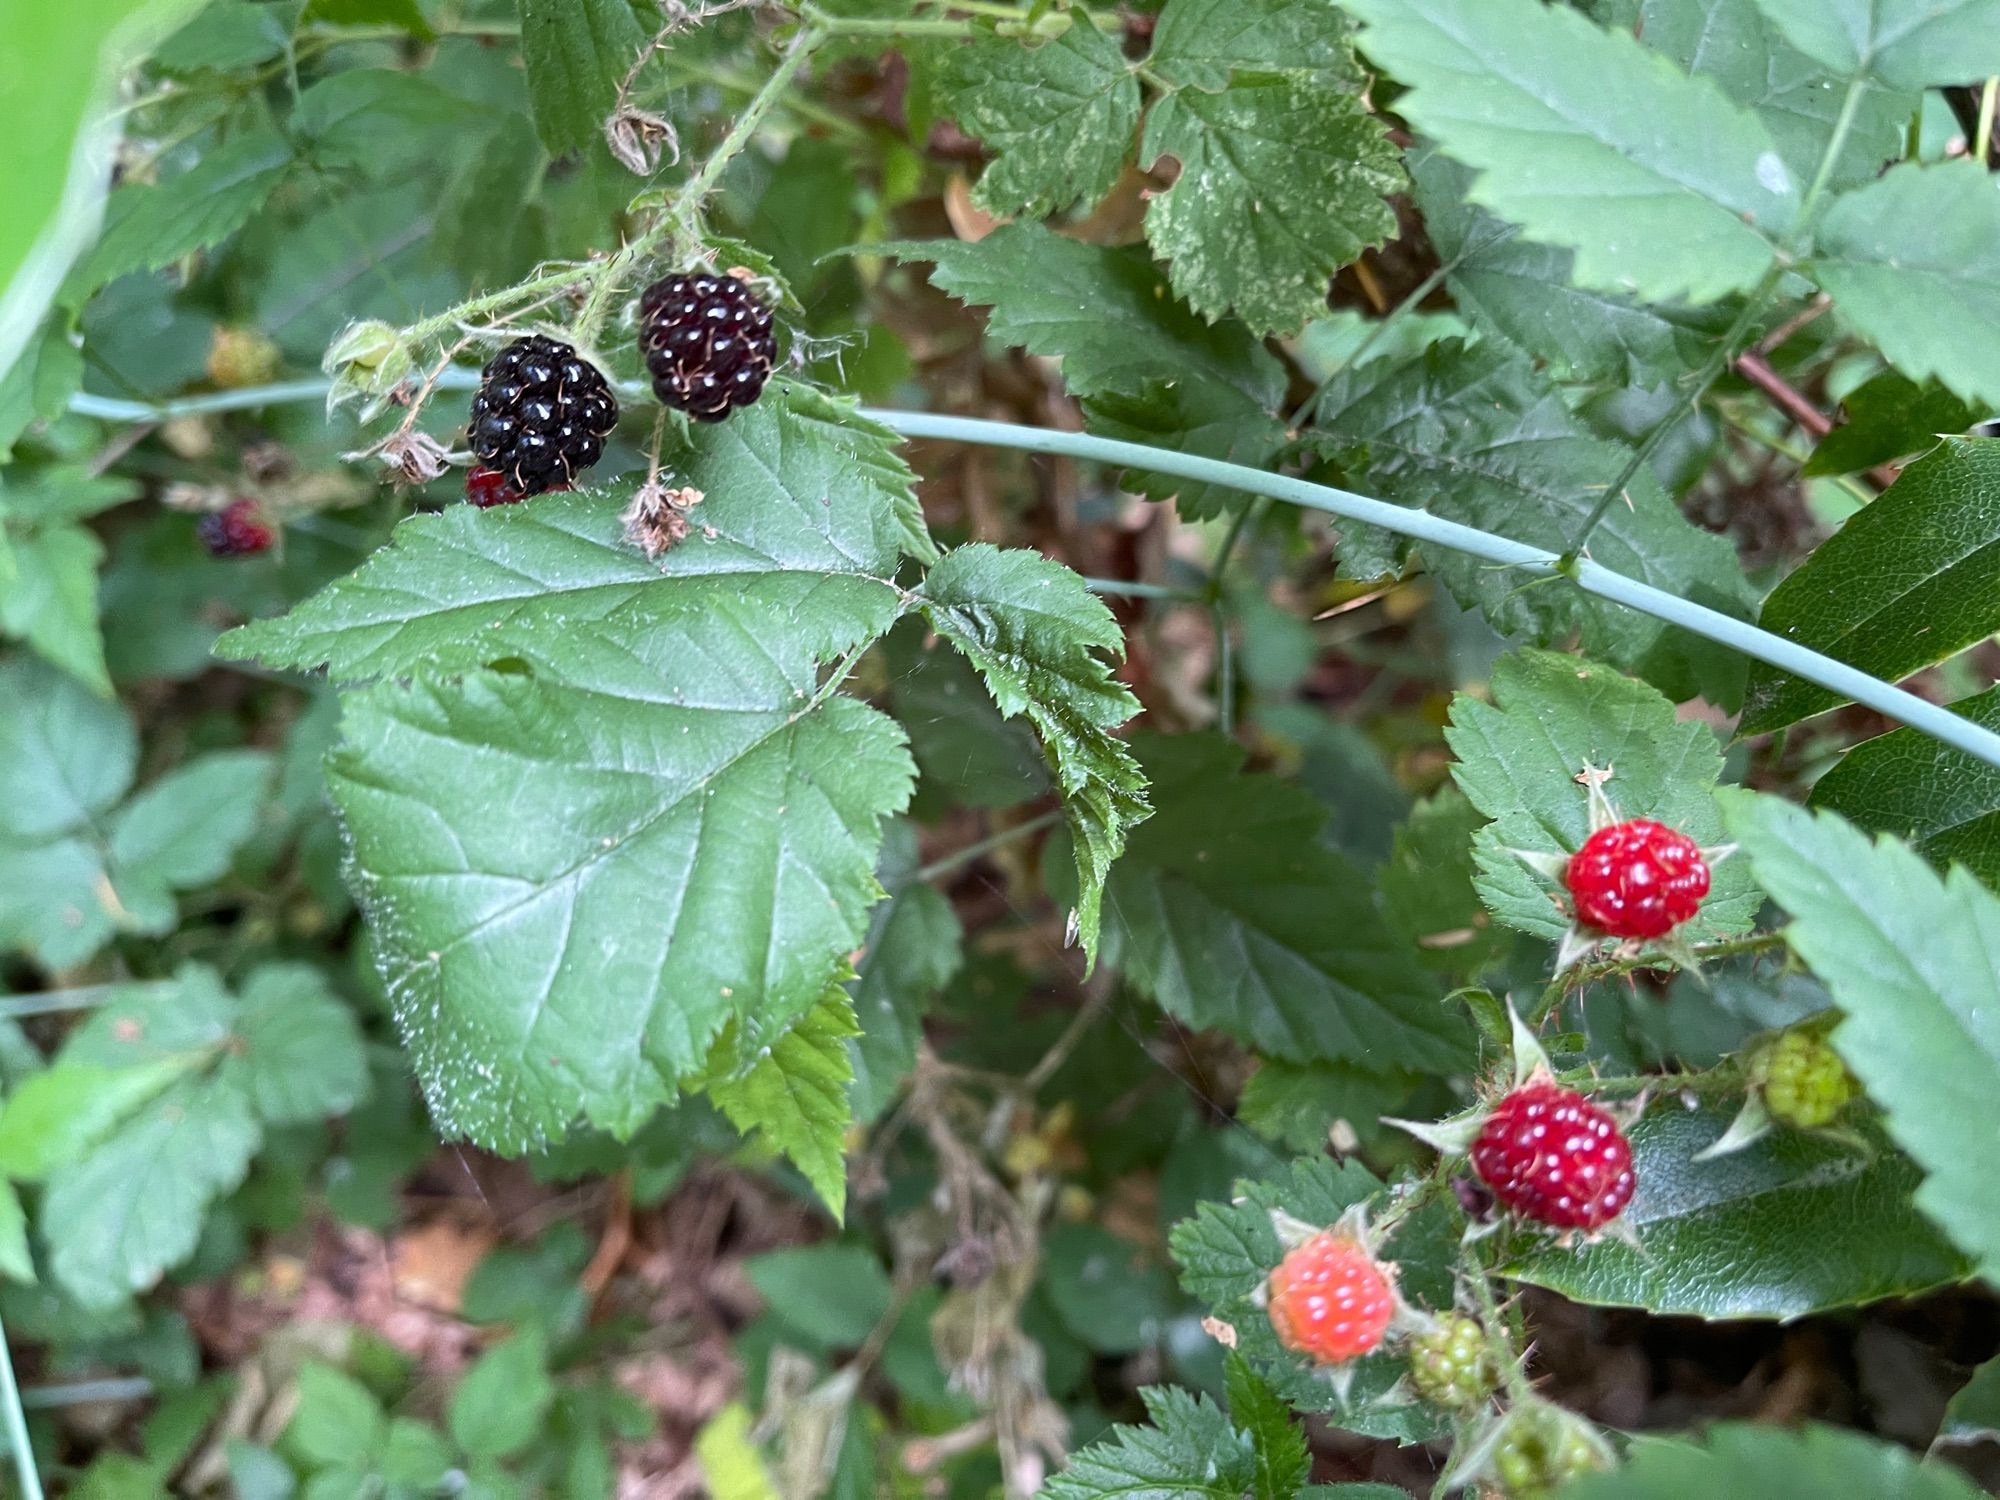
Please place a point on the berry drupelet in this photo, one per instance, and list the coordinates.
(1551, 1155)
(1637, 879)
(541, 416)
(1329, 1300)
(709, 342)
(240, 529)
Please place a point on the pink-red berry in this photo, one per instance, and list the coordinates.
(487, 488)
(1637, 879)
(1551, 1155)
(240, 529)
(1329, 1300)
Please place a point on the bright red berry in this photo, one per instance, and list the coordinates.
(487, 488)
(1552, 1156)
(240, 529)
(1637, 879)
(1328, 1300)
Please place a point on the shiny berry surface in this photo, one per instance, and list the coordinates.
(541, 416)
(1551, 1155)
(1453, 1364)
(1329, 1301)
(1637, 879)
(709, 343)
(239, 530)
(1805, 1082)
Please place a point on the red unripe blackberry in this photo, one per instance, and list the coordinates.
(240, 529)
(709, 342)
(1551, 1155)
(487, 488)
(1329, 1300)
(1637, 879)
(541, 415)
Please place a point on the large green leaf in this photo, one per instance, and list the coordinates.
(1519, 758)
(1058, 116)
(576, 52)
(1202, 43)
(1040, 639)
(1907, 44)
(1478, 436)
(1913, 961)
(1945, 803)
(1227, 1252)
(1281, 183)
(1660, 184)
(1737, 1461)
(1913, 263)
(1795, 1224)
(1231, 913)
(63, 56)
(1906, 582)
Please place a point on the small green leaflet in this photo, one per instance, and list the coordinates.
(1738, 1461)
(1907, 44)
(1943, 802)
(117, 1215)
(1281, 184)
(1192, 1451)
(1661, 185)
(576, 51)
(915, 948)
(1519, 758)
(1479, 436)
(1797, 1223)
(1227, 1252)
(501, 1402)
(1041, 640)
(147, 226)
(1913, 961)
(1886, 417)
(58, 1114)
(795, 1094)
(1058, 116)
(1913, 262)
(1908, 581)
(1219, 912)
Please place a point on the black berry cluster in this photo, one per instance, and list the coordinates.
(541, 415)
(708, 341)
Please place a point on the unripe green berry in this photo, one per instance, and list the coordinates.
(1542, 1449)
(1804, 1081)
(1452, 1364)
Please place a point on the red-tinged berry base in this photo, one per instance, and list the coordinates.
(1329, 1301)
(1637, 879)
(1552, 1156)
(240, 529)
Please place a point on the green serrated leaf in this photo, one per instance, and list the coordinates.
(338, 1419)
(1478, 436)
(1283, 1461)
(1908, 581)
(1201, 43)
(1794, 1224)
(1737, 1461)
(50, 600)
(499, 1406)
(1281, 184)
(966, 752)
(1518, 760)
(1913, 263)
(381, 122)
(1227, 1252)
(182, 831)
(1218, 911)
(1191, 1452)
(61, 1113)
(795, 1095)
(37, 387)
(832, 1295)
(1058, 116)
(149, 226)
(1297, 1105)
(1040, 640)
(301, 1056)
(1913, 961)
(1907, 44)
(1945, 803)
(1524, 293)
(1427, 887)
(1885, 418)
(915, 948)
(576, 51)
(1660, 184)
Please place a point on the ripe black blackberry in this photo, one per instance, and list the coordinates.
(541, 415)
(708, 341)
